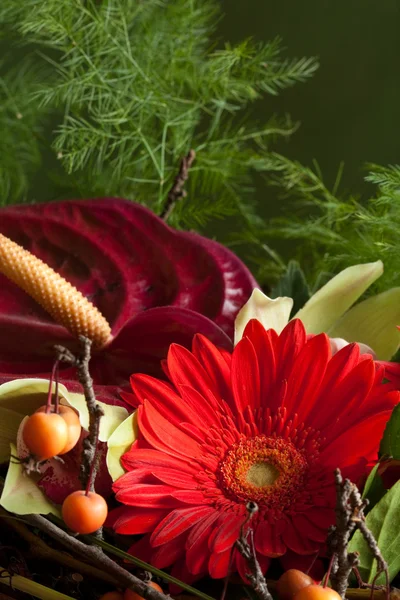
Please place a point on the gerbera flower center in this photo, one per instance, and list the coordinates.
(261, 474)
(263, 469)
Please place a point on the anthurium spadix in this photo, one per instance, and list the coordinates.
(372, 322)
(117, 274)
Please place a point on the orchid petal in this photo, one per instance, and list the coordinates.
(374, 323)
(119, 443)
(21, 495)
(273, 314)
(329, 303)
(112, 417)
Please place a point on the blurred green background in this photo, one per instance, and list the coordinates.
(349, 111)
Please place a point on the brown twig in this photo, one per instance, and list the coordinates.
(339, 537)
(39, 549)
(177, 192)
(247, 550)
(95, 554)
(81, 362)
(350, 508)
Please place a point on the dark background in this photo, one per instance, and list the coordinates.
(349, 111)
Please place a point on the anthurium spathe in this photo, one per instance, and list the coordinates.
(42, 492)
(152, 284)
(371, 322)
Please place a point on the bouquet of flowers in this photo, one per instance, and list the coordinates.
(180, 420)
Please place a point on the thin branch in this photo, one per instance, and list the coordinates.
(247, 550)
(39, 549)
(350, 508)
(177, 191)
(339, 537)
(81, 362)
(95, 554)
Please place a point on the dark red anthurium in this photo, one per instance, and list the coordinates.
(154, 285)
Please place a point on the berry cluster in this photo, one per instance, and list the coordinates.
(54, 430)
(296, 585)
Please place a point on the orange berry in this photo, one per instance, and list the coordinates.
(84, 513)
(71, 418)
(45, 434)
(131, 595)
(291, 582)
(316, 592)
(112, 596)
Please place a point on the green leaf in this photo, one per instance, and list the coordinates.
(293, 284)
(119, 443)
(21, 495)
(384, 523)
(374, 489)
(390, 444)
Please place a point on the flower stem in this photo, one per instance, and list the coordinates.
(30, 587)
(54, 375)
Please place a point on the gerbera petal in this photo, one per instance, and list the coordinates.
(132, 521)
(144, 495)
(265, 344)
(227, 533)
(310, 529)
(339, 366)
(307, 374)
(363, 439)
(166, 554)
(268, 539)
(345, 396)
(245, 377)
(163, 435)
(219, 563)
(214, 364)
(162, 395)
(175, 478)
(185, 369)
(206, 414)
(150, 458)
(176, 522)
(297, 541)
(197, 543)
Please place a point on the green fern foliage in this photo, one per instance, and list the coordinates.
(125, 88)
(334, 231)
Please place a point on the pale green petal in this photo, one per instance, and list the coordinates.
(119, 443)
(21, 495)
(9, 424)
(273, 314)
(373, 322)
(113, 415)
(327, 305)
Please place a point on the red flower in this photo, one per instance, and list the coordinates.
(154, 285)
(269, 424)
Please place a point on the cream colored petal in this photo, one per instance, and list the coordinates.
(373, 322)
(21, 495)
(273, 314)
(9, 424)
(327, 305)
(113, 415)
(119, 443)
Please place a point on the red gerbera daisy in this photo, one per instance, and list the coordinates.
(269, 424)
